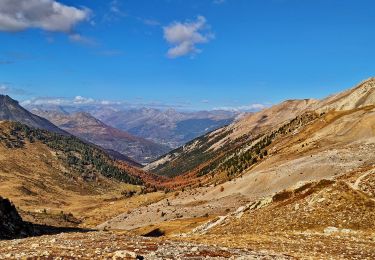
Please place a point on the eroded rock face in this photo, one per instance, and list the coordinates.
(11, 223)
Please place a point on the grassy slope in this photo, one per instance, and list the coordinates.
(38, 174)
(78, 156)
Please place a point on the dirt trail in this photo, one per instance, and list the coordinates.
(360, 178)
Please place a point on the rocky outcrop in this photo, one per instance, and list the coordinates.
(11, 223)
(13, 227)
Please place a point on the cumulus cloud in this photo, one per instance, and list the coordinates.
(48, 15)
(185, 36)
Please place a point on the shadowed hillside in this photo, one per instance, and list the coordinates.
(11, 110)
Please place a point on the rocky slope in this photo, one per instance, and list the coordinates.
(217, 145)
(360, 96)
(90, 129)
(324, 218)
(111, 245)
(234, 148)
(11, 110)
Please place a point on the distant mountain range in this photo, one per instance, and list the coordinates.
(169, 127)
(133, 135)
(88, 128)
(119, 144)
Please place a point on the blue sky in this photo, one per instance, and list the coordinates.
(189, 54)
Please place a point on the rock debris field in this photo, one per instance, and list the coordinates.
(112, 245)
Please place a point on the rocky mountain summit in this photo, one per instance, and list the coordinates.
(11, 110)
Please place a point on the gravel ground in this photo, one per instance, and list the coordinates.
(112, 245)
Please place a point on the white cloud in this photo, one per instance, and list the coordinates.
(185, 36)
(80, 101)
(3, 88)
(62, 101)
(48, 15)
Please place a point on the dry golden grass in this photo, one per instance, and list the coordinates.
(36, 180)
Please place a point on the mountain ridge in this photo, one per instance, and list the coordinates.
(168, 127)
(10, 109)
(93, 130)
(249, 129)
(359, 96)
